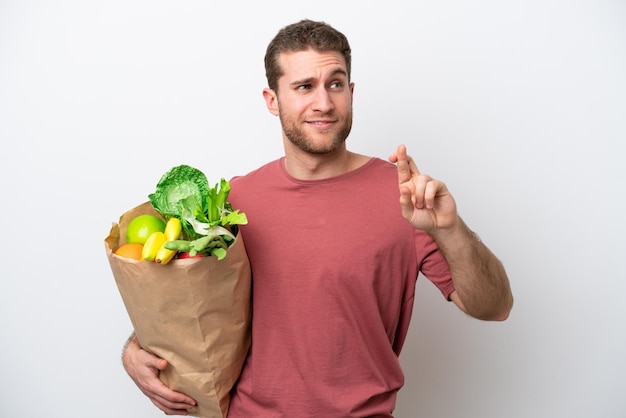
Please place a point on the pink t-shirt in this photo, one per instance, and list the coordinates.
(334, 267)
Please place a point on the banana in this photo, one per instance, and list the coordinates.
(152, 245)
(173, 229)
(164, 255)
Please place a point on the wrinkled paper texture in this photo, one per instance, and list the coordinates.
(195, 313)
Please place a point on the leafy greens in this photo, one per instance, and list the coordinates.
(183, 192)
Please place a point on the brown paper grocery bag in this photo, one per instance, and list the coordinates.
(194, 313)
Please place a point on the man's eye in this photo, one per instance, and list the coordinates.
(304, 87)
(336, 85)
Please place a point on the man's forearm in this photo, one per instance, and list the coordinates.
(479, 277)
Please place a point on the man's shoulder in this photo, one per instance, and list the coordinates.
(378, 168)
(267, 169)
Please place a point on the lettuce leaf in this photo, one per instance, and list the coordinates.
(183, 192)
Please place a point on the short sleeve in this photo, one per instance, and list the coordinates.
(432, 263)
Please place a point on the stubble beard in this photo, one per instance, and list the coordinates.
(299, 137)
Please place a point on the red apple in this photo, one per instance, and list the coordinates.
(186, 255)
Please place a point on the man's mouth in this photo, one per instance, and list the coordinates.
(324, 124)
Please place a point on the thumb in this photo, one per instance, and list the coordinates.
(153, 361)
(160, 364)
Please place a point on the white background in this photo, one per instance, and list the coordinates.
(519, 106)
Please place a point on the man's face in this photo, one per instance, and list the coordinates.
(314, 100)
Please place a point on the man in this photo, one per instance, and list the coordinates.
(334, 260)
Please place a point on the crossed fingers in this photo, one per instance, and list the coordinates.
(422, 188)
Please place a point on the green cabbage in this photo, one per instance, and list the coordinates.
(183, 192)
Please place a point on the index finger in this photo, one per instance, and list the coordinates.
(406, 165)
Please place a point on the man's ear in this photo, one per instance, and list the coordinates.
(271, 100)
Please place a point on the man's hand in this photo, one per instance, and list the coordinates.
(482, 287)
(144, 367)
(426, 203)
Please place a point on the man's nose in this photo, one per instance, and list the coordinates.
(322, 100)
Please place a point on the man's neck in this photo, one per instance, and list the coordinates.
(305, 166)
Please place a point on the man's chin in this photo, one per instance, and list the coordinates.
(320, 147)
